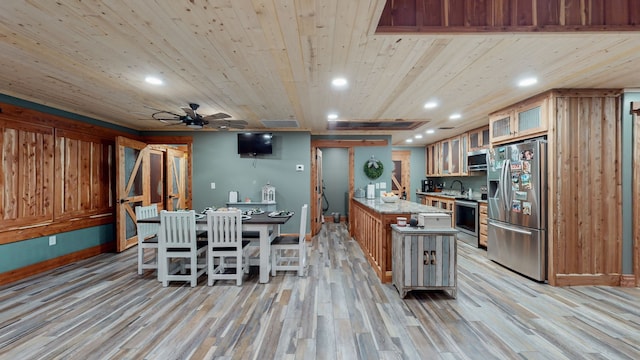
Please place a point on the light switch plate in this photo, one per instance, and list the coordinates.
(383, 185)
(52, 240)
(213, 186)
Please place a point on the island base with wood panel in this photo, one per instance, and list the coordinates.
(370, 223)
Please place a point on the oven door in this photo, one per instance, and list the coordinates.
(467, 219)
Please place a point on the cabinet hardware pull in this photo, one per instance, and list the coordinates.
(433, 257)
(425, 260)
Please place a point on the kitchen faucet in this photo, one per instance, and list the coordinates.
(461, 186)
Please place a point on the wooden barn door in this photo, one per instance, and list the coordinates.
(176, 179)
(132, 179)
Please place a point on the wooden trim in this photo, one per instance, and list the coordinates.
(635, 191)
(52, 228)
(628, 280)
(328, 143)
(347, 143)
(24, 272)
(28, 116)
(587, 279)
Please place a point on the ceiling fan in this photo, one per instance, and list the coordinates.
(194, 120)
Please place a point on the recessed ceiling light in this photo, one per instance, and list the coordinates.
(409, 140)
(455, 116)
(418, 136)
(430, 105)
(332, 116)
(153, 80)
(528, 82)
(430, 131)
(339, 82)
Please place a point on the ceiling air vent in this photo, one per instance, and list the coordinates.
(374, 125)
(446, 128)
(280, 123)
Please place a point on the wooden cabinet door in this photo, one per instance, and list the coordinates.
(455, 167)
(478, 139)
(501, 127)
(531, 120)
(464, 142)
(433, 159)
(445, 157)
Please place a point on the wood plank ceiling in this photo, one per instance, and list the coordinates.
(275, 59)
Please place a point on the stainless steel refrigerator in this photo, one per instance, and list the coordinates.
(517, 200)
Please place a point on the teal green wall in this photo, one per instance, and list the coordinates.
(215, 159)
(335, 174)
(23, 253)
(627, 181)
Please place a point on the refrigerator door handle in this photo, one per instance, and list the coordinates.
(518, 230)
(505, 184)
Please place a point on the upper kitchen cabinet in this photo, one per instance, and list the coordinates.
(520, 121)
(447, 157)
(479, 138)
(433, 159)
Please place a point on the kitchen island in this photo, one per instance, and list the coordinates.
(370, 225)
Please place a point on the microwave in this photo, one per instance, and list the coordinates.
(477, 160)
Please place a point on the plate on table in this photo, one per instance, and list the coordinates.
(199, 216)
(281, 213)
(253, 212)
(246, 217)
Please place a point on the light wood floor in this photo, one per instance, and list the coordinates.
(101, 309)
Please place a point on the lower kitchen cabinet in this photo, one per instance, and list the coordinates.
(424, 259)
(483, 229)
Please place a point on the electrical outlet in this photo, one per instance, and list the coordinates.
(213, 186)
(52, 240)
(383, 185)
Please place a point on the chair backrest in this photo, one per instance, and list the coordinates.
(146, 230)
(224, 228)
(303, 223)
(177, 229)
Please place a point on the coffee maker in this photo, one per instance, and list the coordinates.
(428, 185)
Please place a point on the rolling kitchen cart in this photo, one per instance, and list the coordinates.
(424, 259)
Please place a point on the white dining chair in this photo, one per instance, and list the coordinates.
(282, 246)
(225, 243)
(177, 240)
(147, 237)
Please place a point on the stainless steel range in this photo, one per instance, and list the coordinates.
(467, 221)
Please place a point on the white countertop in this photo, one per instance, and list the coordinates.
(399, 207)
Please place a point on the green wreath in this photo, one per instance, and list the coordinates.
(373, 169)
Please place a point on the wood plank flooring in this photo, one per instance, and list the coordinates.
(101, 309)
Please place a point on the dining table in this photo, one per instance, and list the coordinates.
(265, 225)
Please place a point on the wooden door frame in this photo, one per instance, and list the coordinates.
(326, 143)
(404, 156)
(183, 143)
(635, 191)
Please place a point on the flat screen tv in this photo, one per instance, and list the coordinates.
(254, 143)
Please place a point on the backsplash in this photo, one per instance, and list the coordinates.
(469, 182)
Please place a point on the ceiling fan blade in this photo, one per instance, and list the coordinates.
(217, 116)
(190, 112)
(229, 122)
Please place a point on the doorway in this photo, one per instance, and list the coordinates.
(401, 173)
(153, 171)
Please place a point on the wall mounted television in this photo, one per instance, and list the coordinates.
(255, 143)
